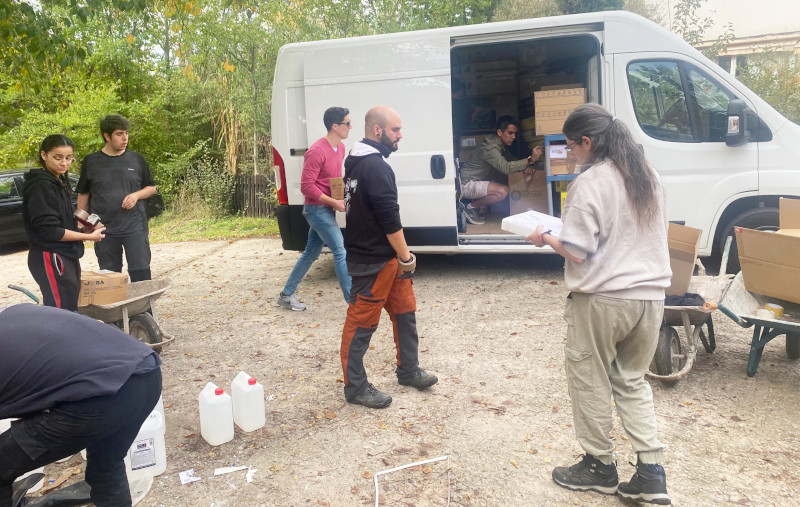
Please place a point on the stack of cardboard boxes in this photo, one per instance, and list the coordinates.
(553, 107)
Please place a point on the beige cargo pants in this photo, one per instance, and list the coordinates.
(610, 343)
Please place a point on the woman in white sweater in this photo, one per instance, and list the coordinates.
(614, 239)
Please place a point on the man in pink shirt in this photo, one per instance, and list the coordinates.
(323, 161)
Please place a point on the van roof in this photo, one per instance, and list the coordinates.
(625, 32)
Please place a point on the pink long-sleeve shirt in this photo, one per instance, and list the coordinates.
(321, 163)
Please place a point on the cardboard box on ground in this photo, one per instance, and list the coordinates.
(771, 260)
(527, 192)
(102, 287)
(683, 243)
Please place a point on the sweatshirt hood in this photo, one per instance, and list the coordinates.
(365, 148)
(42, 176)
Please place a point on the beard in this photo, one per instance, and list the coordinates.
(384, 140)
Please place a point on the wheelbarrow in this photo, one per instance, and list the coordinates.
(742, 306)
(131, 314)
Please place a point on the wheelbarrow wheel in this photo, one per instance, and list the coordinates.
(144, 328)
(669, 346)
(793, 346)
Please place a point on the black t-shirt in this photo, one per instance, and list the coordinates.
(63, 357)
(108, 180)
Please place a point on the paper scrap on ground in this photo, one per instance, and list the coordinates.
(250, 473)
(188, 476)
(227, 470)
(525, 224)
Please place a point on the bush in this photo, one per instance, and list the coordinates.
(208, 188)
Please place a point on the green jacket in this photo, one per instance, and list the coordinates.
(492, 155)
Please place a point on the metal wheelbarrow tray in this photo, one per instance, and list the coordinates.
(132, 315)
(740, 305)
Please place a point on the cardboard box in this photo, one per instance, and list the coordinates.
(337, 188)
(683, 244)
(553, 106)
(467, 145)
(102, 287)
(771, 260)
(527, 192)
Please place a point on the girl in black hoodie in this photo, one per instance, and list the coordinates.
(56, 244)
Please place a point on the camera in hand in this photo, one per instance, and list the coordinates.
(87, 220)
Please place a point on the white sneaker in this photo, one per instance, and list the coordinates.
(291, 303)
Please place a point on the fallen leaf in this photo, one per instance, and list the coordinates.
(555, 410)
(190, 435)
(553, 283)
(736, 418)
(366, 474)
(514, 462)
(274, 467)
(427, 470)
(330, 415)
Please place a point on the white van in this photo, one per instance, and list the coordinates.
(681, 107)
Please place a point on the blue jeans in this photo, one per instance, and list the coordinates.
(322, 230)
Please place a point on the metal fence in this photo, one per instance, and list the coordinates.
(252, 195)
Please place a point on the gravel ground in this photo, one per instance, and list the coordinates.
(491, 328)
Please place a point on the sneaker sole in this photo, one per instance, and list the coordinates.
(656, 498)
(292, 309)
(422, 387)
(356, 402)
(600, 489)
(472, 220)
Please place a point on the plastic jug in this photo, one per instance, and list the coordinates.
(216, 415)
(248, 402)
(148, 455)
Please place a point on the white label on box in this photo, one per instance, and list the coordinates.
(468, 142)
(143, 454)
(558, 151)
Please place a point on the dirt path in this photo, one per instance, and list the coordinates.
(491, 329)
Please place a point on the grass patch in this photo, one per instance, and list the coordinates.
(170, 227)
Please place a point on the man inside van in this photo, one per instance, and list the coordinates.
(380, 263)
(488, 163)
(77, 384)
(114, 184)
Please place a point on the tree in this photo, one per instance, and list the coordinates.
(579, 6)
(775, 79)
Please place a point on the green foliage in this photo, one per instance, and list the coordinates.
(199, 225)
(776, 79)
(579, 6)
(208, 182)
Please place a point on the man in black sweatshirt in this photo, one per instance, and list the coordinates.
(379, 262)
(77, 384)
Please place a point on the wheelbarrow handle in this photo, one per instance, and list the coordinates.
(727, 311)
(25, 291)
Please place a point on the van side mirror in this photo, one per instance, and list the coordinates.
(738, 113)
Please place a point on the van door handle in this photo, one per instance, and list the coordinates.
(438, 169)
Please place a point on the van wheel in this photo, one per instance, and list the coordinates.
(760, 219)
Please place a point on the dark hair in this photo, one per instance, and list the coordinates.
(612, 140)
(113, 122)
(504, 121)
(334, 115)
(53, 141)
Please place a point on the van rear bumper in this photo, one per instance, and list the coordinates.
(293, 226)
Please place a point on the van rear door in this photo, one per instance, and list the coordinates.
(413, 77)
(677, 108)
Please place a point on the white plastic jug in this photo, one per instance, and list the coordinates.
(248, 402)
(216, 415)
(148, 455)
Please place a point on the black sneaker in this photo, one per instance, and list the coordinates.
(648, 484)
(371, 398)
(419, 379)
(473, 216)
(588, 474)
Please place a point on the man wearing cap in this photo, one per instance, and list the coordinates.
(76, 383)
(379, 262)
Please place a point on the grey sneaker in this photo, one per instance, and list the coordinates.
(291, 303)
(648, 484)
(371, 398)
(473, 216)
(419, 379)
(588, 474)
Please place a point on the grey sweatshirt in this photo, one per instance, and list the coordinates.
(620, 259)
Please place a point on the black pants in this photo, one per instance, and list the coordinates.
(58, 278)
(137, 254)
(105, 426)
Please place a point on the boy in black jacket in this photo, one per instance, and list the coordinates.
(379, 262)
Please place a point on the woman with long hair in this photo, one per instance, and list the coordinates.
(56, 244)
(614, 239)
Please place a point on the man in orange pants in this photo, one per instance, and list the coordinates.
(379, 262)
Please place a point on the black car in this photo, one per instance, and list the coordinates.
(12, 230)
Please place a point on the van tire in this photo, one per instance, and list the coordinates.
(762, 219)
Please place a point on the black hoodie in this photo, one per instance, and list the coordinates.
(47, 211)
(371, 204)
